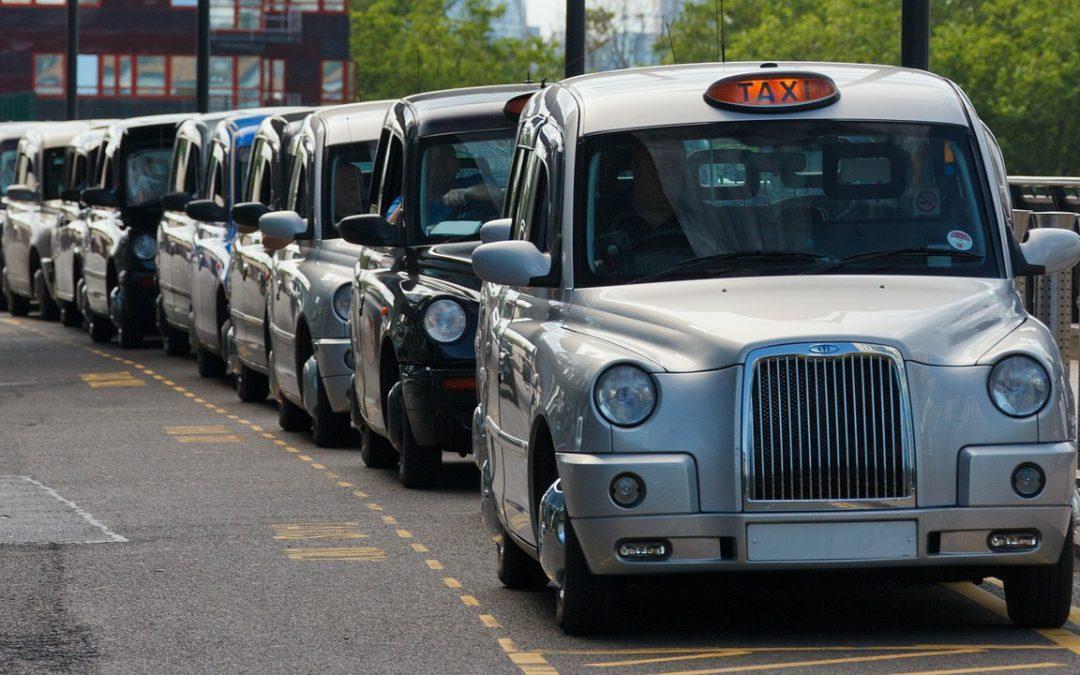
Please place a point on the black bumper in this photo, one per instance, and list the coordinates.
(138, 290)
(440, 404)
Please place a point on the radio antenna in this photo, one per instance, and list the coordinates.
(721, 33)
(670, 41)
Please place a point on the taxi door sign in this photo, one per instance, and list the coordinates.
(779, 92)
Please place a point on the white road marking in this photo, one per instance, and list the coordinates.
(109, 535)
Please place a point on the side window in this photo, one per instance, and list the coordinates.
(191, 171)
(1001, 181)
(513, 190)
(179, 165)
(216, 174)
(298, 186)
(534, 206)
(24, 173)
(255, 168)
(390, 193)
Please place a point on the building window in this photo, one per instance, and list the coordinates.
(333, 81)
(47, 3)
(86, 75)
(49, 74)
(182, 80)
(150, 76)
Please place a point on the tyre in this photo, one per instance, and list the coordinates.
(516, 568)
(209, 364)
(69, 314)
(3, 282)
(251, 386)
(376, 451)
(18, 305)
(292, 417)
(583, 603)
(417, 467)
(101, 329)
(173, 340)
(1041, 596)
(328, 428)
(50, 311)
(129, 335)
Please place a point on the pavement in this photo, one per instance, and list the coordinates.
(150, 521)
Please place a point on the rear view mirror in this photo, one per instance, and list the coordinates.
(495, 230)
(279, 228)
(247, 214)
(21, 193)
(98, 196)
(510, 263)
(371, 229)
(1052, 249)
(206, 211)
(175, 201)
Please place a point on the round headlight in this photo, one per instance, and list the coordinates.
(342, 301)
(625, 395)
(445, 321)
(144, 246)
(1019, 386)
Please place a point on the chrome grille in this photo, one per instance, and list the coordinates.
(828, 428)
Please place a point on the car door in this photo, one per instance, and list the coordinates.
(250, 264)
(520, 314)
(287, 283)
(17, 224)
(203, 277)
(176, 234)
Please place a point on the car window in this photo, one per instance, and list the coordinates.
(462, 178)
(347, 179)
(298, 187)
(53, 174)
(146, 176)
(215, 175)
(656, 199)
(8, 156)
(389, 200)
(25, 173)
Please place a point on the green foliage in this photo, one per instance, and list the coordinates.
(1018, 61)
(406, 46)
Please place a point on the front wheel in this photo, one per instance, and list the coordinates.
(292, 417)
(17, 304)
(418, 467)
(50, 311)
(328, 428)
(251, 386)
(209, 364)
(515, 567)
(583, 602)
(376, 451)
(1041, 597)
(101, 329)
(69, 314)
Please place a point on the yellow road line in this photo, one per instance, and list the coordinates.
(709, 654)
(419, 548)
(825, 662)
(331, 475)
(986, 669)
(118, 383)
(451, 582)
(374, 507)
(470, 601)
(223, 438)
(304, 531)
(491, 622)
(389, 520)
(361, 553)
(433, 564)
(359, 493)
(317, 466)
(303, 458)
(194, 429)
(278, 441)
(344, 483)
(265, 435)
(404, 534)
(256, 427)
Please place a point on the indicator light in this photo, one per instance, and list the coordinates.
(1013, 541)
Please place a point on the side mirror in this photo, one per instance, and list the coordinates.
(247, 214)
(1051, 249)
(21, 193)
(510, 263)
(206, 211)
(175, 201)
(279, 228)
(371, 229)
(97, 196)
(495, 230)
(70, 196)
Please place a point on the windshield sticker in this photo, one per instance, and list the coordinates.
(959, 240)
(927, 202)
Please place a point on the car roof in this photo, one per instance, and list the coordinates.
(15, 130)
(674, 95)
(59, 134)
(87, 139)
(152, 120)
(352, 122)
(460, 110)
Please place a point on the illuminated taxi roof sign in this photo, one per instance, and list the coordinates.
(775, 92)
(516, 105)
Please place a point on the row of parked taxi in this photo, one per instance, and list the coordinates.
(705, 318)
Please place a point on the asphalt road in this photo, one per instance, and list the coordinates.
(222, 543)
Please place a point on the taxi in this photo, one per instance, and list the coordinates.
(761, 316)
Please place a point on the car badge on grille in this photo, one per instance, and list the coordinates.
(824, 349)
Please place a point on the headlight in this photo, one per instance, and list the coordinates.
(144, 247)
(342, 301)
(625, 395)
(1019, 386)
(445, 321)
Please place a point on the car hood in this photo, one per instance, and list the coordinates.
(685, 326)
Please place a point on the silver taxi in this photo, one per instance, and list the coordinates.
(762, 317)
(309, 291)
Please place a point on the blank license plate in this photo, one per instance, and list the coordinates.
(786, 542)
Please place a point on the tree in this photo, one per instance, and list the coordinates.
(406, 46)
(1017, 61)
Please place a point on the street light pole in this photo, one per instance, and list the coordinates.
(71, 61)
(202, 57)
(915, 34)
(575, 37)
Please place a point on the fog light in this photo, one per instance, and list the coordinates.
(349, 360)
(627, 490)
(644, 550)
(1012, 541)
(1028, 480)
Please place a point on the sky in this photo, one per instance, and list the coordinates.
(549, 15)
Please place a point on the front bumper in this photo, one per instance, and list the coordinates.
(440, 404)
(954, 536)
(138, 295)
(334, 356)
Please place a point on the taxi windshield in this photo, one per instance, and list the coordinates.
(461, 183)
(8, 155)
(147, 175)
(781, 197)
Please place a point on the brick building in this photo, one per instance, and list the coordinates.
(137, 57)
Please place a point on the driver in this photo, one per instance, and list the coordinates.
(447, 192)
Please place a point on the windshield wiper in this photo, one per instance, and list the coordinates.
(738, 256)
(893, 253)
